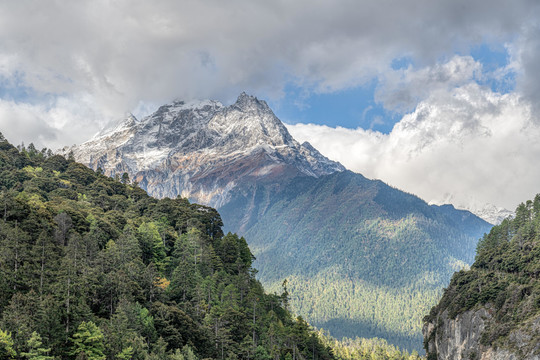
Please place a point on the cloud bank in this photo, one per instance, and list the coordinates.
(465, 142)
(122, 53)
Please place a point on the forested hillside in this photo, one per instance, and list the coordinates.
(499, 295)
(94, 268)
(361, 258)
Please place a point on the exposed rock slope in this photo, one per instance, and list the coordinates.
(203, 150)
(464, 338)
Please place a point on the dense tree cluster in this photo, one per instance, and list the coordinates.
(94, 268)
(345, 305)
(505, 278)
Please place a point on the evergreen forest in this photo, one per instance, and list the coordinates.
(92, 267)
(361, 258)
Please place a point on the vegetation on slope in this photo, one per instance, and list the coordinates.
(505, 278)
(384, 255)
(94, 268)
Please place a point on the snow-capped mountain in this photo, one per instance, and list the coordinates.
(202, 150)
(305, 217)
(491, 213)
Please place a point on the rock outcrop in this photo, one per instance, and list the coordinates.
(465, 338)
(492, 311)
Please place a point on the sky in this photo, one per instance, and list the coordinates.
(440, 98)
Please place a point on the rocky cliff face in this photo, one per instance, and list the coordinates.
(492, 311)
(203, 150)
(464, 338)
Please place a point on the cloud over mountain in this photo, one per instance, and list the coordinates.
(127, 53)
(454, 142)
(67, 68)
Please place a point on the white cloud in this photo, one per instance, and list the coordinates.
(49, 125)
(526, 53)
(98, 59)
(469, 142)
(123, 52)
(401, 90)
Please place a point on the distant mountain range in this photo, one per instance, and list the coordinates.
(491, 213)
(361, 258)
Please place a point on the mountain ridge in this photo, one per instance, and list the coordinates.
(306, 218)
(489, 212)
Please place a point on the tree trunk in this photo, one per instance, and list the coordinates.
(42, 268)
(254, 346)
(67, 303)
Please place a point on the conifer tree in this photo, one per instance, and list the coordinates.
(35, 349)
(6, 345)
(88, 342)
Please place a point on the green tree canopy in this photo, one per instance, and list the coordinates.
(88, 342)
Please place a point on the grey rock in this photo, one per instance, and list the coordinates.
(459, 338)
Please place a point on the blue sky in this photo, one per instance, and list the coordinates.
(358, 108)
(351, 108)
(438, 98)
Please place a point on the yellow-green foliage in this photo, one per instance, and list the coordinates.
(34, 171)
(366, 349)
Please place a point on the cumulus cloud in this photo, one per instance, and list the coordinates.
(400, 90)
(68, 67)
(467, 142)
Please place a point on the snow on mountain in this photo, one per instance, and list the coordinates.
(202, 149)
(491, 213)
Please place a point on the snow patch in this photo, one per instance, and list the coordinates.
(491, 213)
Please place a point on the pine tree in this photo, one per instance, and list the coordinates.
(6, 346)
(152, 245)
(35, 349)
(125, 178)
(88, 342)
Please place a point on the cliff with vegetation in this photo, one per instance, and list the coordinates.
(492, 311)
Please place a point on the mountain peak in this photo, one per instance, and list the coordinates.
(246, 102)
(244, 97)
(193, 104)
(202, 140)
